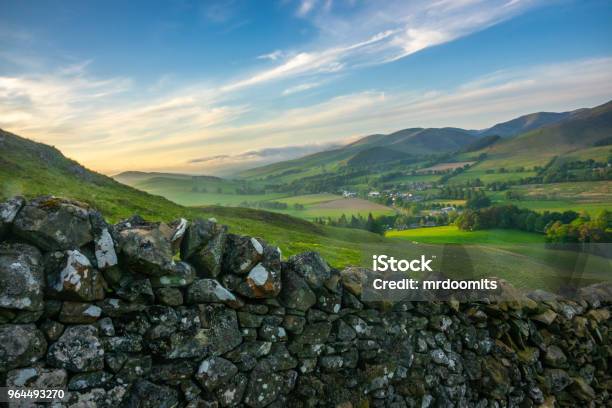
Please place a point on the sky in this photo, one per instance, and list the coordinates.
(211, 87)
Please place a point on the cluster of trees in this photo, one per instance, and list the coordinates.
(582, 230)
(510, 216)
(565, 227)
(271, 205)
(587, 170)
(461, 193)
(377, 225)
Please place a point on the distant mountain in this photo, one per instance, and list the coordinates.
(526, 123)
(419, 140)
(550, 131)
(133, 177)
(398, 145)
(584, 130)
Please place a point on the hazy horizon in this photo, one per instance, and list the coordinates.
(208, 88)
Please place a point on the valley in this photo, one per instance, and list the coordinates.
(358, 200)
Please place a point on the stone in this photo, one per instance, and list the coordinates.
(546, 317)
(178, 230)
(20, 345)
(242, 254)
(581, 389)
(263, 388)
(134, 367)
(203, 245)
(210, 291)
(440, 323)
(312, 267)
(116, 307)
(104, 245)
(343, 331)
(261, 282)
(246, 355)
(250, 320)
(555, 357)
(230, 393)
(136, 291)
(21, 277)
(181, 274)
(8, 212)
(106, 327)
(79, 313)
(77, 350)
(146, 247)
(54, 224)
(294, 324)
(223, 329)
(215, 371)
(71, 276)
(272, 333)
(295, 292)
(169, 296)
(145, 394)
(556, 379)
(37, 378)
(184, 345)
(84, 381)
(97, 397)
(52, 329)
(279, 358)
(353, 279)
(128, 343)
(173, 372)
(264, 279)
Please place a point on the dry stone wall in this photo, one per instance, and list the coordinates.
(142, 314)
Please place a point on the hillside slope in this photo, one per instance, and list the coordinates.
(33, 169)
(419, 142)
(526, 123)
(585, 129)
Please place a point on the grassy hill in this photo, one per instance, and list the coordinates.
(526, 123)
(582, 130)
(31, 169)
(407, 144)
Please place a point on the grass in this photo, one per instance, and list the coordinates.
(589, 196)
(453, 235)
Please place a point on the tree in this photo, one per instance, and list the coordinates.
(478, 202)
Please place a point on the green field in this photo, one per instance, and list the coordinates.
(453, 235)
(589, 196)
(518, 257)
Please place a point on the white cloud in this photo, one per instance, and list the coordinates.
(379, 33)
(88, 119)
(273, 56)
(305, 7)
(301, 88)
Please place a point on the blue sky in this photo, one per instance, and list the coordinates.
(210, 86)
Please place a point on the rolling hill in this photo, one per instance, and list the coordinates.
(560, 133)
(581, 134)
(526, 123)
(527, 141)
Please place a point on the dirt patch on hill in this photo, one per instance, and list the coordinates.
(352, 203)
(446, 166)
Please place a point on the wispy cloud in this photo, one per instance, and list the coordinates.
(87, 118)
(233, 162)
(301, 88)
(273, 56)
